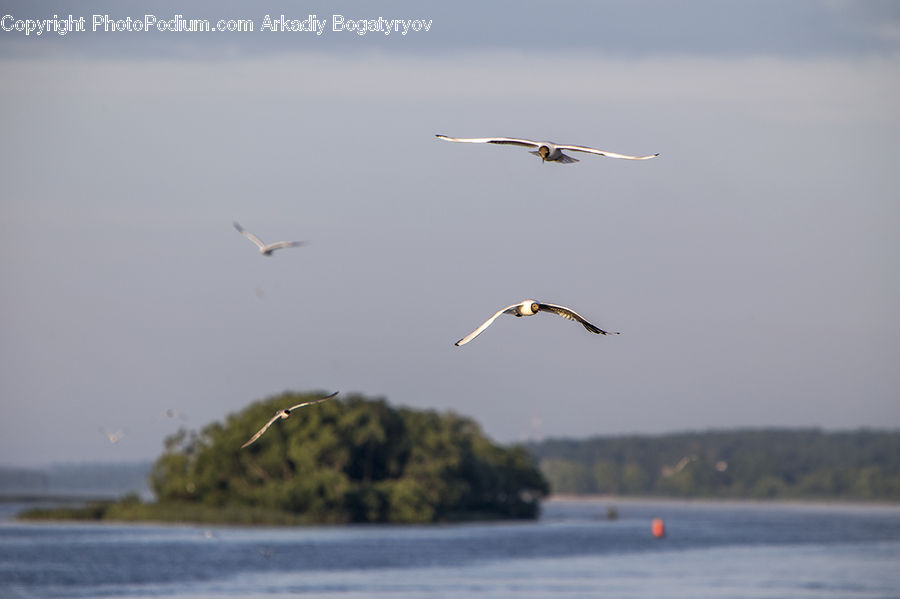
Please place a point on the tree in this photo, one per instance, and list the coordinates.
(769, 463)
(353, 460)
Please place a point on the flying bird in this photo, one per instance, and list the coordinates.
(113, 437)
(530, 308)
(282, 414)
(266, 250)
(173, 414)
(547, 150)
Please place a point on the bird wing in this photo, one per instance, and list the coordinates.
(483, 326)
(249, 236)
(573, 315)
(604, 153)
(284, 244)
(309, 403)
(262, 430)
(493, 140)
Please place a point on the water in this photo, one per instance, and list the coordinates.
(721, 550)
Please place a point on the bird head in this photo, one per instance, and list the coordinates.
(544, 151)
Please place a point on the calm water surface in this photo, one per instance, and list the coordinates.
(722, 550)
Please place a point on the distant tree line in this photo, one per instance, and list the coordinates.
(91, 479)
(17, 480)
(768, 463)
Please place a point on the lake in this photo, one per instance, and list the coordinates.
(712, 549)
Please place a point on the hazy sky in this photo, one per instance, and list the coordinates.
(753, 268)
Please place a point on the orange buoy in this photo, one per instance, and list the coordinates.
(658, 528)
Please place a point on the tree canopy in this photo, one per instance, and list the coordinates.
(766, 463)
(350, 460)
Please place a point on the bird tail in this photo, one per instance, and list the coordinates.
(563, 158)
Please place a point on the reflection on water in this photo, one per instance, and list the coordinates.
(714, 550)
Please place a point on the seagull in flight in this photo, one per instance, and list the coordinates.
(282, 414)
(113, 437)
(173, 414)
(547, 150)
(530, 308)
(266, 250)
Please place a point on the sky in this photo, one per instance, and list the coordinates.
(753, 268)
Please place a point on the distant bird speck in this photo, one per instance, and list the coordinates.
(547, 150)
(112, 437)
(530, 308)
(174, 414)
(282, 414)
(266, 250)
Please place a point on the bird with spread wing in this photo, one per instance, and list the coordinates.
(547, 150)
(530, 308)
(282, 414)
(266, 249)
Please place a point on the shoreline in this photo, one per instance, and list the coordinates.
(723, 501)
(211, 519)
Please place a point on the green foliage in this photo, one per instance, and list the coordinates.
(860, 465)
(352, 460)
(94, 510)
(135, 511)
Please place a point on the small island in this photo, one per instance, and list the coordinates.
(352, 460)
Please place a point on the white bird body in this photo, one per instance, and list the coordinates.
(266, 249)
(526, 308)
(530, 308)
(548, 151)
(282, 414)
